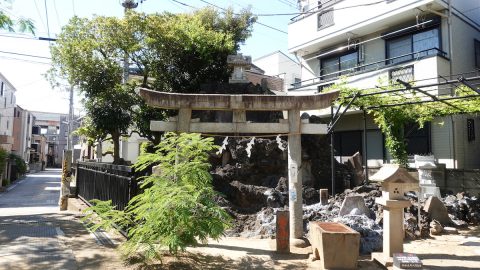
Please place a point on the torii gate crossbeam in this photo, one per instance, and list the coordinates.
(239, 104)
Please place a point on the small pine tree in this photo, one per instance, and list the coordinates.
(176, 208)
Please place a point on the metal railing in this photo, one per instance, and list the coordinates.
(106, 182)
(359, 69)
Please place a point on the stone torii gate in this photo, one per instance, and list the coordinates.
(239, 104)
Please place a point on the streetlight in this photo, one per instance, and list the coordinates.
(128, 4)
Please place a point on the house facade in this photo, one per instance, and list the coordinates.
(278, 64)
(22, 133)
(7, 110)
(55, 129)
(366, 43)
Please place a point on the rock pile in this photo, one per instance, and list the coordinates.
(463, 208)
(254, 187)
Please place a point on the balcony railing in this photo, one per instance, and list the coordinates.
(359, 69)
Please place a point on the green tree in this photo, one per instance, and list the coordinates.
(169, 52)
(19, 163)
(3, 163)
(21, 24)
(176, 208)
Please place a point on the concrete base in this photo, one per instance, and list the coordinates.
(382, 259)
(428, 191)
(336, 245)
(299, 242)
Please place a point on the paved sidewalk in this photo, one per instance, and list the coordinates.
(34, 234)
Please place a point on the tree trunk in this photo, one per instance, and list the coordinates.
(145, 78)
(116, 147)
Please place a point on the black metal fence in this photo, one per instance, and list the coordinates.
(105, 182)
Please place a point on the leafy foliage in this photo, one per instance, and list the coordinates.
(22, 24)
(168, 52)
(176, 208)
(3, 161)
(391, 119)
(19, 163)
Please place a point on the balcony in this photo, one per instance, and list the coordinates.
(421, 65)
(335, 23)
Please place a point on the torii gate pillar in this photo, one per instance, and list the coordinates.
(295, 175)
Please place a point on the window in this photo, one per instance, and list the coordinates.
(325, 19)
(11, 98)
(5, 103)
(417, 139)
(413, 45)
(477, 53)
(8, 124)
(346, 63)
(347, 143)
(470, 130)
(1, 89)
(405, 74)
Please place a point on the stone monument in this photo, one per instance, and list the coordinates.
(395, 182)
(239, 63)
(428, 174)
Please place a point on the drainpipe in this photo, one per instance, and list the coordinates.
(301, 65)
(452, 92)
(450, 39)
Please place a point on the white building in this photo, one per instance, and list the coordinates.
(55, 128)
(7, 110)
(22, 133)
(413, 40)
(280, 65)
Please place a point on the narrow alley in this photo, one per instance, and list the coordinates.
(34, 234)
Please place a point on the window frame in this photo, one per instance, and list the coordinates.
(412, 67)
(338, 56)
(323, 12)
(411, 34)
(476, 51)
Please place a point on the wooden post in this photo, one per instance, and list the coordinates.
(282, 232)
(65, 181)
(323, 196)
(294, 175)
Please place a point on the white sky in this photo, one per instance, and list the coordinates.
(27, 73)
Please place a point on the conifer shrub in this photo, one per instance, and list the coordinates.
(176, 207)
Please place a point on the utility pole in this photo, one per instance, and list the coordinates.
(70, 121)
(127, 4)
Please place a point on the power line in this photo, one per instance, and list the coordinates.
(184, 4)
(28, 55)
(39, 13)
(286, 3)
(46, 16)
(24, 60)
(56, 13)
(271, 27)
(28, 37)
(265, 25)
